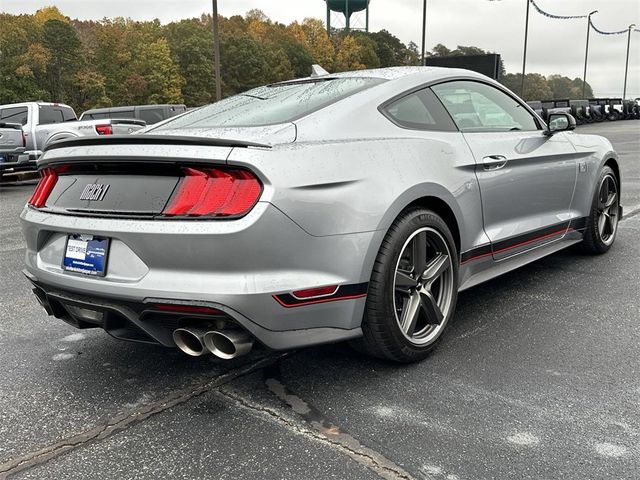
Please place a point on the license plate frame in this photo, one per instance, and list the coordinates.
(88, 255)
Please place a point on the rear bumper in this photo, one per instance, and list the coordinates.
(18, 165)
(141, 322)
(236, 266)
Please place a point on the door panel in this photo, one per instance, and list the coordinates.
(526, 178)
(527, 190)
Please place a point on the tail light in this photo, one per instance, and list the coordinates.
(24, 140)
(104, 130)
(48, 179)
(178, 308)
(214, 193)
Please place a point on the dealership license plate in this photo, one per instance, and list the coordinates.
(86, 254)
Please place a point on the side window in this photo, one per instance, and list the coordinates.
(478, 107)
(419, 110)
(14, 115)
(50, 115)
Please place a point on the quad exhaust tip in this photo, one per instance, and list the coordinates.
(189, 340)
(224, 344)
(228, 344)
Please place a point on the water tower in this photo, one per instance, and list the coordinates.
(346, 9)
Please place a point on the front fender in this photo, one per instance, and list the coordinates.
(596, 151)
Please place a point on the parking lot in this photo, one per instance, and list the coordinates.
(537, 377)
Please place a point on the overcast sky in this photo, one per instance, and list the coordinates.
(555, 46)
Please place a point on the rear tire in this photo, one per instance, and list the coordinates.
(413, 289)
(602, 224)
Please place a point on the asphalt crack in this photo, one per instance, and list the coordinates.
(332, 436)
(128, 419)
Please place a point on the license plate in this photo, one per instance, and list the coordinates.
(86, 254)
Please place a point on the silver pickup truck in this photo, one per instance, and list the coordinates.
(44, 123)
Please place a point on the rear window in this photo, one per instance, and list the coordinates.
(95, 116)
(14, 115)
(55, 114)
(122, 114)
(152, 115)
(278, 103)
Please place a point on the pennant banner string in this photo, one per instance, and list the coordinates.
(608, 33)
(574, 17)
(558, 17)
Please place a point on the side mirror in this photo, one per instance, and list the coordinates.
(559, 122)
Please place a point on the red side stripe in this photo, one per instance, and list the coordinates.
(521, 244)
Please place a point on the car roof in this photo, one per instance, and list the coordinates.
(393, 73)
(406, 75)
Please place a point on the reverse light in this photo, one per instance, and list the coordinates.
(104, 130)
(213, 192)
(48, 179)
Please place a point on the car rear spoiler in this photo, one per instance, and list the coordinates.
(151, 140)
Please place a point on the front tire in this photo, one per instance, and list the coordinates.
(602, 225)
(413, 288)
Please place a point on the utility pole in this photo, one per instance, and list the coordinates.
(216, 51)
(626, 65)
(524, 54)
(586, 53)
(424, 30)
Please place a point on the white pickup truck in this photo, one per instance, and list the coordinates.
(44, 123)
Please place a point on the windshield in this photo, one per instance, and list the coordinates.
(272, 104)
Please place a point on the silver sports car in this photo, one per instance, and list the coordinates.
(352, 206)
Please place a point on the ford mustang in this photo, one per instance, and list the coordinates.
(351, 206)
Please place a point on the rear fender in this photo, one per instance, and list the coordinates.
(413, 195)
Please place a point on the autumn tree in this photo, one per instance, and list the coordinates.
(112, 62)
(243, 64)
(535, 85)
(163, 82)
(191, 44)
(318, 43)
(61, 40)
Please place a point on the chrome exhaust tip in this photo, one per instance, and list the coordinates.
(189, 340)
(228, 344)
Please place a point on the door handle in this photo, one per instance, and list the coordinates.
(494, 162)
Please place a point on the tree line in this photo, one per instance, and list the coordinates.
(47, 56)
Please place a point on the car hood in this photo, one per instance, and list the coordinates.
(267, 134)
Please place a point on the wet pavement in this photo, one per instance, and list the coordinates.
(537, 377)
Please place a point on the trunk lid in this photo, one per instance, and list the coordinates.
(133, 175)
(119, 192)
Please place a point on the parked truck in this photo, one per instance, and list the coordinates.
(44, 123)
(151, 114)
